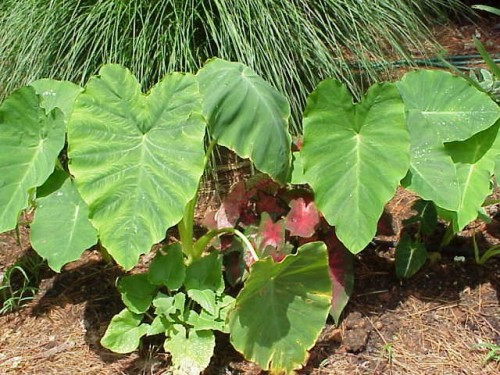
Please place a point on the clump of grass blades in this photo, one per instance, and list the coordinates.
(293, 44)
(19, 282)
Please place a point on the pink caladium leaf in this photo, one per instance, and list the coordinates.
(270, 233)
(302, 218)
(229, 212)
(340, 261)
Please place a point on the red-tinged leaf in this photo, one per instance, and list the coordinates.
(270, 233)
(268, 203)
(229, 212)
(340, 262)
(278, 254)
(297, 143)
(209, 220)
(248, 217)
(302, 218)
(261, 182)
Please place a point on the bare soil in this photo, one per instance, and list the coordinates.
(430, 324)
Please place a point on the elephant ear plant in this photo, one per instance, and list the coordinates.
(132, 170)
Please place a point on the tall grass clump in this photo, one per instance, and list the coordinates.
(292, 43)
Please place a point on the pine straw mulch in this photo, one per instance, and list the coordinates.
(429, 324)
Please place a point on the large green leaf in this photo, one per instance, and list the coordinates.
(30, 143)
(354, 156)
(282, 308)
(57, 94)
(61, 230)
(247, 115)
(124, 332)
(136, 158)
(441, 108)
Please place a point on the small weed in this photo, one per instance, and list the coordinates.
(491, 252)
(18, 284)
(493, 354)
(387, 351)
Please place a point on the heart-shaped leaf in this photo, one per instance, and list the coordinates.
(282, 309)
(302, 218)
(354, 156)
(441, 108)
(61, 230)
(247, 115)
(31, 141)
(137, 159)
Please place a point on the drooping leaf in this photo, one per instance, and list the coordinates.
(31, 141)
(475, 163)
(57, 94)
(410, 257)
(341, 268)
(124, 332)
(487, 9)
(205, 273)
(441, 108)
(137, 292)
(354, 156)
(137, 159)
(237, 101)
(167, 267)
(190, 355)
(61, 231)
(302, 218)
(282, 308)
(53, 183)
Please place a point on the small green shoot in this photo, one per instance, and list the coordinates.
(387, 351)
(491, 252)
(18, 283)
(492, 355)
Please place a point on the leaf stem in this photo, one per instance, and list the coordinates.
(203, 242)
(186, 225)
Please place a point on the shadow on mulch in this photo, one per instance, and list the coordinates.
(92, 283)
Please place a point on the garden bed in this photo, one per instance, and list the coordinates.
(429, 324)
